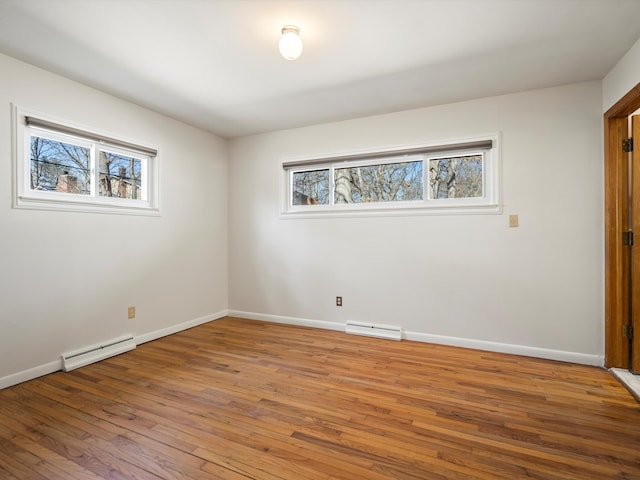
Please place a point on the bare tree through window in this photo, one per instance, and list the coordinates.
(388, 182)
(438, 180)
(120, 176)
(311, 188)
(53, 162)
(456, 177)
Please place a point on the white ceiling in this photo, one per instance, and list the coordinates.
(215, 64)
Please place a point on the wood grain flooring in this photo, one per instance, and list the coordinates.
(237, 399)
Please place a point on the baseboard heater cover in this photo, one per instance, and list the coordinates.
(80, 358)
(391, 332)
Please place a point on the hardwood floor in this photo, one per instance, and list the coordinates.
(238, 399)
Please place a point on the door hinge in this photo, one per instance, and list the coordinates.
(627, 145)
(627, 238)
(627, 331)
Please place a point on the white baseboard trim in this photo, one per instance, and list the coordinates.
(51, 367)
(30, 374)
(148, 337)
(301, 322)
(523, 350)
(573, 357)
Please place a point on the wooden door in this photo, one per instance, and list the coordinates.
(616, 222)
(635, 248)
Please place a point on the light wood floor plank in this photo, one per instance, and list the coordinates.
(239, 400)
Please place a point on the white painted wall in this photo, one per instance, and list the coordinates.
(460, 279)
(66, 279)
(622, 78)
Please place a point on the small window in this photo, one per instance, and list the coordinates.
(62, 167)
(461, 177)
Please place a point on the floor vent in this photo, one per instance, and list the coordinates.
(88, 355)
(391, 332)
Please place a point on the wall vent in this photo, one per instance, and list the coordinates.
(391, 332)
(80, 358)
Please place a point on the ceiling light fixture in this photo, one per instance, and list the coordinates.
(290, 43)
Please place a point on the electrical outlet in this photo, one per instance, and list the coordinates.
(338, 301)
(132, 312)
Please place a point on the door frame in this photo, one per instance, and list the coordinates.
(616, 221)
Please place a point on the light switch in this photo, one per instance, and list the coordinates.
(513, 221)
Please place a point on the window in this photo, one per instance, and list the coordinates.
(61, 167)
(457, 178)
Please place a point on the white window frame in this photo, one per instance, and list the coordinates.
(489, 203)
(25, 197)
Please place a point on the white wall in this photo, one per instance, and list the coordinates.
(66, 279)
(459, 279)
(622, 78)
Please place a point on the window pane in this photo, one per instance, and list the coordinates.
(311, 188)
(392, 182)
(456, 177)
(120, 176)
(59, 166)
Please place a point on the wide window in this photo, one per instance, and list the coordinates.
(62, 167)
(461, 177)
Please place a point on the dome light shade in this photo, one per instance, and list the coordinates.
(290, 43)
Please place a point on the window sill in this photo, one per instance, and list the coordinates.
(388, 211)
(67, 205)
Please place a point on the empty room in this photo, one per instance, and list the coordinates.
(303, 240)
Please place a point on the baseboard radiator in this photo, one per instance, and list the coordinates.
(80, 358)
(391, 332)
